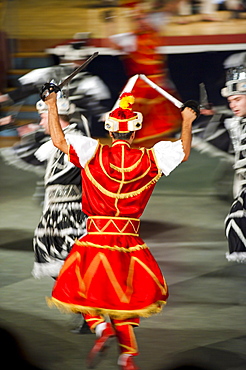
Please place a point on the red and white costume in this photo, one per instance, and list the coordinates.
(111, 270)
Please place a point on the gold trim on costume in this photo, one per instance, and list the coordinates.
(114, 248)
(163, 289)
(120, 142)
(122, 195)
(146, 101)
(128, 169)
(109, 233)
(129, 350)
(114, 218)
(100, 258)
(122, 182)
(114, 314)
(126, 323)
(103, 229)
(97, 321)
(142, 60)
(134, 347)
(121, 170)
(111, 222)
(122, 179)
(157, 75)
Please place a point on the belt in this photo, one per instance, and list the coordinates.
(101, 225)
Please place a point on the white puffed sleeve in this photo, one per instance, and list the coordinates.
(85, 147)
(168, 155)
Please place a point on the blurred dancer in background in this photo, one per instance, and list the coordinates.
(88, 92)
(214, 137)
(235, 92)
(62, 220)
(161, 118)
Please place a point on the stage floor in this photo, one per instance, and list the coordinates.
(204, 320)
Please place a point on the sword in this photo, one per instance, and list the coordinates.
(164, 93)
(204, 104)
(13, 113)
(190, 103)
(49, 87)
(203, 96)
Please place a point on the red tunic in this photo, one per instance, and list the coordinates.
(111, 270)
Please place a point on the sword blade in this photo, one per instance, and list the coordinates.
(164, 93)
(77, 70)
(203, 96)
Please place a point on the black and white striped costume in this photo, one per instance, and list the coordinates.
(62, 220)
(235, 222)
(88, 92)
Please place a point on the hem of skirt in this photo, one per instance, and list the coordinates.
(236, 257)
(51, 269)
(148, 311)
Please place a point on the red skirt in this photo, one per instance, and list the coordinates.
(110, 272)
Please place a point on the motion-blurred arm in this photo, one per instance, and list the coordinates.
(188, 116)
(56, 132)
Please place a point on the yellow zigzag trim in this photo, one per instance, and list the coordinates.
(111, 221)
(100, 258)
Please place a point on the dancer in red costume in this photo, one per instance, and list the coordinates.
(161, 118)
(110, 271)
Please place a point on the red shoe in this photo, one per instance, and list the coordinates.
(100, 347)
(129, 365)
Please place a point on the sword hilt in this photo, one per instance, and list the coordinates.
(194, 105)
(47, 89)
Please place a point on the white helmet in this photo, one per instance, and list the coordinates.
(235, 76)
(63, 105)
(76, 54)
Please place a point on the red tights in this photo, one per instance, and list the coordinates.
(123, 329)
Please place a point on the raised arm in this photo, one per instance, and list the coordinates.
(56, 132)
(188, 116)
